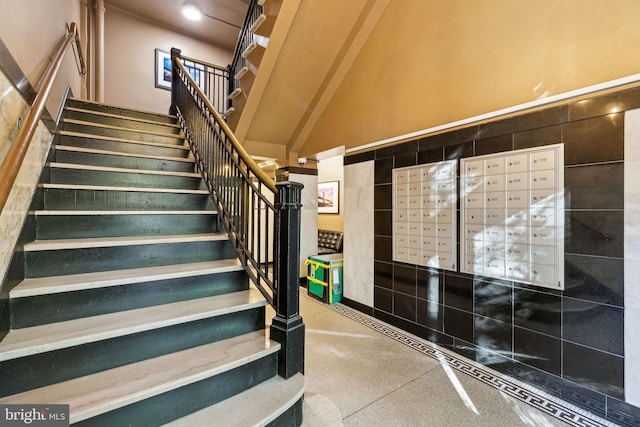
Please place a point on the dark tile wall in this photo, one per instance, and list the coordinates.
(569, 343)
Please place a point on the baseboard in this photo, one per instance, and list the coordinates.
(363, 308)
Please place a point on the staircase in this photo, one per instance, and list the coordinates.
(134, 310)
(250, 52)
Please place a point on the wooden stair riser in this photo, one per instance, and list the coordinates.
(123, 146)
(101, 200)
(246, 83)
(109, 109)
(274, 402)
(51, 227)
(123, 161)
(256, 55)
(131, 134)
(59, 307)
(55, 366)
(182, 401)
(62, 175)
(84, 260)
(122, 121)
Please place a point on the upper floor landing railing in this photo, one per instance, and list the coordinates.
(217, 82)
(213, 81)
(244, 40)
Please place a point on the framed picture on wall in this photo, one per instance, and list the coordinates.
(163, 69)
(328, 200)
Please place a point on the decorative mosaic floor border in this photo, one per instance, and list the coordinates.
(551, 405)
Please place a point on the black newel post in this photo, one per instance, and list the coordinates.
(230, 85)
(287, 327)
(175, 53)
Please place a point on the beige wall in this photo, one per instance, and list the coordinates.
(332, 169)
(31, 30)
(130, 44)
(429, 63)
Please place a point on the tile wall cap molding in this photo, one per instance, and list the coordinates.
(18, 79)
(565, 96)
(15, 75)
(297, 170)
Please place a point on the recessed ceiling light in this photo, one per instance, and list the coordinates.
(191, 12)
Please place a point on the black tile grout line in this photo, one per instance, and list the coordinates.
(538, 399)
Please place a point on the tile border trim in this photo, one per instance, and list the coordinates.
(545, 402)
(531, 105)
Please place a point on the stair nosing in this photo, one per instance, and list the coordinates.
(119, 128)
(104, 279)
(109, 242)
(123, 140)
(126, 189)
(76, 166)
(236, 92)
(252, 46)
(62, 147)
(88, 101)
(222, 411)
(119, 116)
(244, 70)
(150, 377)
(258, 22)
(70, 333)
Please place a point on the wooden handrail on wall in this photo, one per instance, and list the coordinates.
(73, 29)
(15, 156)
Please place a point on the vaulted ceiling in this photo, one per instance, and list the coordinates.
(309, 54)
(312, 48)
(408, 65)
(220, 23)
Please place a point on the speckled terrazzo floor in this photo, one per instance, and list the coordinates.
(361, 372)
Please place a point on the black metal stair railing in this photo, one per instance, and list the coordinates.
(262, 218)
(212, 79)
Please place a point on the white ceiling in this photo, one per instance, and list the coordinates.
(221, 30)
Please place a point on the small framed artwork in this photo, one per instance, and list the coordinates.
(328, 199)
(163, 69)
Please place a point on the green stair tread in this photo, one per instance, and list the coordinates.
(120, 128)
(129, 109)
(66, 133)
(38, 339)
(259, 405)
(116, 188)
(83, 281)
(105, 242)
(74, 166)
(105, 391)
(122, 154)
(122, 117)
(106, 212)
